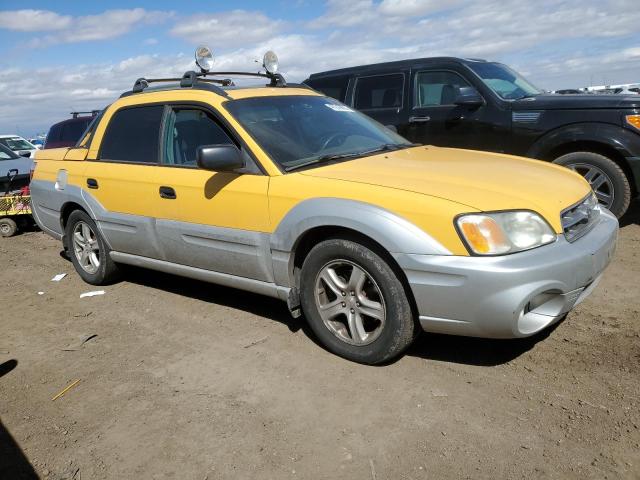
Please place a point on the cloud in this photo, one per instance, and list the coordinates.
(67, 29)
(33, 20)
(556, 44)
(237, 27)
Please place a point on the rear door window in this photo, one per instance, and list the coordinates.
(133, 135)
(437, 88)
(379, 91)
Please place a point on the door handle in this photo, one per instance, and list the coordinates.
(168, 193)
(92, 183)
(419, 119)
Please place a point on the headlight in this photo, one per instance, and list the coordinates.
(504, 232)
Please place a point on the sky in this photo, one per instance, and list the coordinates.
(56, 57)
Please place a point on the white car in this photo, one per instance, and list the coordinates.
(19, 145)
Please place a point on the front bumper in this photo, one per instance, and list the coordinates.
(512, 295)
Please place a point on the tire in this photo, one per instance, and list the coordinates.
(8, 227)
(328, 278)
(605, 176)
(84, 240)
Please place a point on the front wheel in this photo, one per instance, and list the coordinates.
(607, 179)
(355, 303)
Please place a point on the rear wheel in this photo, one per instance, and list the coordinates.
(8, 227)
(607, 179)
(88, 251)
(354, 302)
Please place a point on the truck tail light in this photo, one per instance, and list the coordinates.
(633, 120)
(33, 169)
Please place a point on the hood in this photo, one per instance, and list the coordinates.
(576, 102)
(477, 180)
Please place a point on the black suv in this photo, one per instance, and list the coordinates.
(475, 104)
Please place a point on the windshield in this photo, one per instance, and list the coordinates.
(17, 143)
(7, 154)
(505, 82)
(297, 131)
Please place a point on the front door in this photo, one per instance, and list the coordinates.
(210, 220)
(435, 119)
(119, 180)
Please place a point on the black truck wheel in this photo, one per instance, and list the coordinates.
(607, 179)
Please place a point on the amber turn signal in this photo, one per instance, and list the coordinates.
(633, 120)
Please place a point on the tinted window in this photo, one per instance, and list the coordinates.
(132, 135)
(335, 87)
(380, 91)
(188, 129)
(71, 131)
(54, 134)
(437, 88)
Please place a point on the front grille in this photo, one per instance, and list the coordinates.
(580, 218)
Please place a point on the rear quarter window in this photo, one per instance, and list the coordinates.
(335, 87)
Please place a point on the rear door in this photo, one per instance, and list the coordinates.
(120, 181)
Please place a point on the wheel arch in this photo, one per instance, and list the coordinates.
(611, 141)
(315, 219)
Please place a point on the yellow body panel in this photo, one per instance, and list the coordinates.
(222, 199)
(428, 186)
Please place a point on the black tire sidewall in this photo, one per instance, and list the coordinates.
(13, 227)
(400, 326)
(622, 189)
(101, 277)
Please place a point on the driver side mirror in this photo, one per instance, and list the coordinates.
(468, 97)
(219, 158)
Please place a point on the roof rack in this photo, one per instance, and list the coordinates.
(92, 112)
(192, 79)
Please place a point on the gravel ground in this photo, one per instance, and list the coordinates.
(189, 380)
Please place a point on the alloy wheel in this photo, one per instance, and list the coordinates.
(86, 247)
(600, 182)
(350, 302)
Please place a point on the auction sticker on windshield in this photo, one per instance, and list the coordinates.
(338, 108)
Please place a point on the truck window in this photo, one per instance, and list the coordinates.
(379, 91)
(185, 131)
(437, 88)
(132, 135)
(335, 87)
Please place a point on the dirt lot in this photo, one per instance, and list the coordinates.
(189, 380)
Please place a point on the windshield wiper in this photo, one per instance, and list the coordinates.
(339, 156)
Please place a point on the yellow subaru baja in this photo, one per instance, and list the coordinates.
(282, 191)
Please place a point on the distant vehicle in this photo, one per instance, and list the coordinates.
(480, 105)
(569, 91)
(21, 167)
(18, 144)
(67, 132)
(38, 142)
